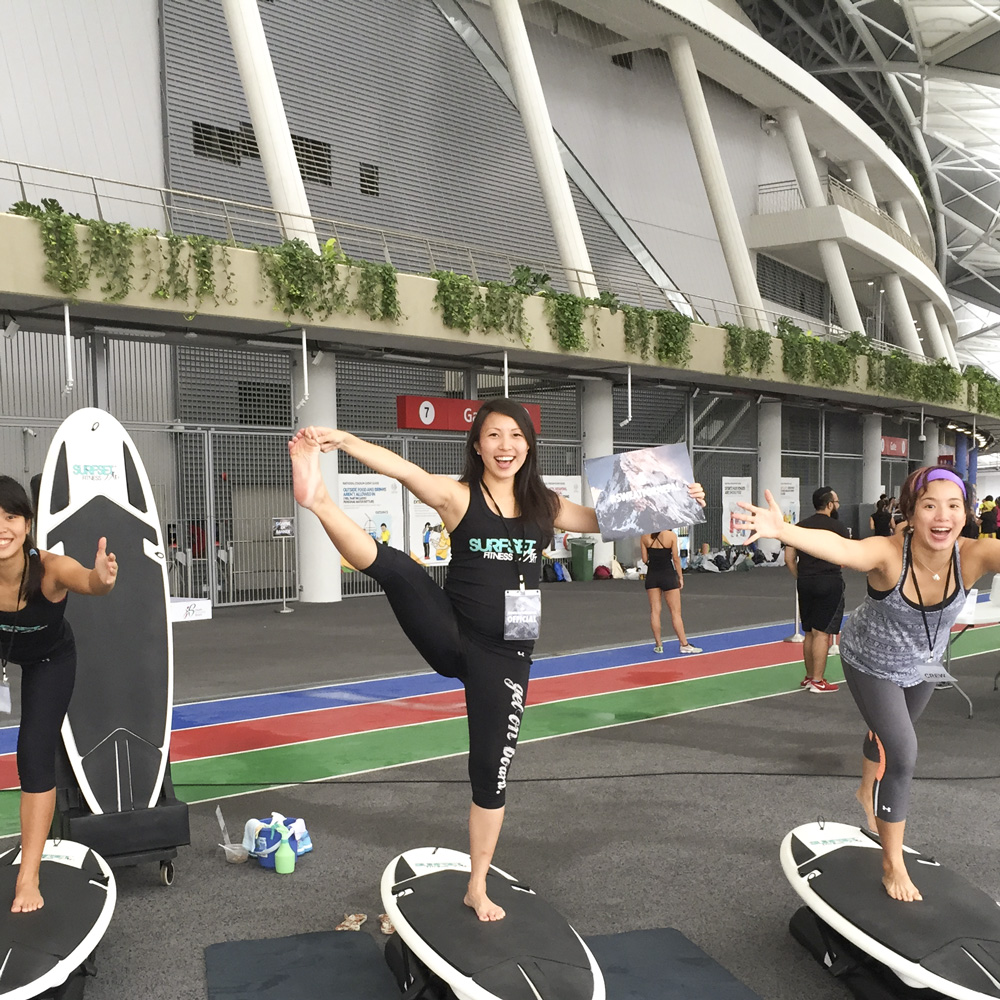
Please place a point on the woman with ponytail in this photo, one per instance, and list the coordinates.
(34, 634)
(893, 645)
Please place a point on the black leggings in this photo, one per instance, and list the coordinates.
(46, 687)
(890, 712)
(496, 680)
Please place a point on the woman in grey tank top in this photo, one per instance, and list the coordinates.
(892, 643)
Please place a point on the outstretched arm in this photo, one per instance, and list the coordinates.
(865, 555)
(439, 492)
(69, 575)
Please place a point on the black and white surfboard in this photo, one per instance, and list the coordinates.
(39, 950)
(117, 729)
(949, 941)
(533, 952)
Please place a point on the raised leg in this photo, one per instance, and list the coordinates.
(866, 790)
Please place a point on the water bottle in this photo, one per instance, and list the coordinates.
(284, 856)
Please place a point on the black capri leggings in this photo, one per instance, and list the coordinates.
(496, 681)
(890, 712)
(46, 687)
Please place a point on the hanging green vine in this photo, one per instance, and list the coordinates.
(796, 351)
(65, 267)
(639, 324)
(673, 338)
(566, 313)
(985, 394)
(830, 363)
(377, 293)
(938, 382)
(501, 310)
(457, 297)
(746, 350)
(111, 247)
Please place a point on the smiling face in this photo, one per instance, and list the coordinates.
(939, 514)
(13, 530)
(502, 446)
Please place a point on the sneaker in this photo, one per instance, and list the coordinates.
(657, 649)
(690, 649)
(804, 683)
(823, 687)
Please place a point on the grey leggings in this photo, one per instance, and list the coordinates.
(890, 712)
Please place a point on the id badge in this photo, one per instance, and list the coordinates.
(5, 698)
(522, 614)
(934, 671)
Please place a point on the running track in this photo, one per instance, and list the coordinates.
(235, 745)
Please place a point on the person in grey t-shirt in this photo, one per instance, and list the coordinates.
(893, 644)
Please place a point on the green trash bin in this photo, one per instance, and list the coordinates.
(581, 558)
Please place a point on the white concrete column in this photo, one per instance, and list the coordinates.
(946, 337)
(813, 196)
(768, 460)
(713, 175)
(544, 149)
(319, 561)
(899, 309)
(871, 465)
(935, 335)
(270, 125)
(932, 446)
(861, 182)
(598, 422)
(898, 215)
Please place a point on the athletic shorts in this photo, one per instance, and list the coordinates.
(662, 579)
(821, 602)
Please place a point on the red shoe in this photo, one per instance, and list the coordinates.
(823, 687)
(804, 683)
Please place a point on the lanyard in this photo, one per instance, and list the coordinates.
(518, 555)
(923, 614)
(5, 654)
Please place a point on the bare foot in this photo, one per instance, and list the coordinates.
(26, 896)
(897, 883)
(307, 481)
(865, 801)
(485, 908)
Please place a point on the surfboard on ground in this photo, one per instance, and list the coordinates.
(532, 954)
(949, 941)
(117, 729)
(40, 950)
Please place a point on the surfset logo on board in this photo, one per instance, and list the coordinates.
(95, 473)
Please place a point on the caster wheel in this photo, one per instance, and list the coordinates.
(166, 872)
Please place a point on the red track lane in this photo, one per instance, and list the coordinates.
(283, 730)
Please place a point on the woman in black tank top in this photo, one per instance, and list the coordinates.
(499, 516)
(33, 590)
(664, 582)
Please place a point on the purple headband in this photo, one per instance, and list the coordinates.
(944, 474)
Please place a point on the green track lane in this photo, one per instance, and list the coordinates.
(256, 770)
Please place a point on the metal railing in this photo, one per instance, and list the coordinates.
(785, 196)
(171, 210)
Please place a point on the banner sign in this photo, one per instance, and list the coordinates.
(375, 504)
(570, 487)
(788, 499)
(439, 413)
(636, 492)
(894, 447)
(282, 527)
(735, 489)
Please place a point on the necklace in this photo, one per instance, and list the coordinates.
(934, 576)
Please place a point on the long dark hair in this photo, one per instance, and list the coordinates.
(916, 483)
(536, 502)
(14, 500)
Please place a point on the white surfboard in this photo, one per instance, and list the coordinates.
(423, 891)
(117, 728)
(39, 950)
(949, 941)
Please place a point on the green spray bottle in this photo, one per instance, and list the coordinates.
(284, 857)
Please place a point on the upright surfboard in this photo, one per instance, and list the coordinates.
(532, 954)
(949, 941)
(39, 950)
(117, 728)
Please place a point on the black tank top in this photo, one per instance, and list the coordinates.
(485, 554)
(661, 558)
(36, 632)
(882, 520)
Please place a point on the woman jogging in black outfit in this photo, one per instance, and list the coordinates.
(33, 633)
(664, 582)
(893, 645)
(479, 627)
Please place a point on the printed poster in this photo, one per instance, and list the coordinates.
(735, 489)
(570, 487)
(637, 492)
(375, 504)
(429, 541)
(788, 499)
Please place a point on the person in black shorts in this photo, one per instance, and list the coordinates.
(33, 633)
(881, 520)
(499, 516)
(820, 586)
(664, 582)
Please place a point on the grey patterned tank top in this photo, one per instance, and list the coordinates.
(885, 637)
